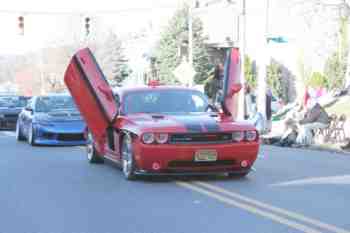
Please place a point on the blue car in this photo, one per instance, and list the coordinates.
(51, 120)
(10, 107)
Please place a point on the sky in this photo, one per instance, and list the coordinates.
(130, 16)
(41, 28)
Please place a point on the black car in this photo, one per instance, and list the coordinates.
(10, 107)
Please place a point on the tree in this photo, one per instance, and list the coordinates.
(110, 55)
(336, 63)
(250, 72)
(317, 80)
(281, 81)
(173, 37)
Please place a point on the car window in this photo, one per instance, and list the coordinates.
(12, 101)
(54, 103)
(165, 101)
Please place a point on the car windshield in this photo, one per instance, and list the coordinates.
(55, 103)
(12, 102)
(165, 101)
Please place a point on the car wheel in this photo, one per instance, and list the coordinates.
(93, 155)
(31, 136)
(128, 163)
(19, 135)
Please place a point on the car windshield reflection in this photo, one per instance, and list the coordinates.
(165, 101)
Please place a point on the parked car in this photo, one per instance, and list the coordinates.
(158, 130)
(51, 120)
(10, 107)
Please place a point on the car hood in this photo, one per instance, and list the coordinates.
(182, 123)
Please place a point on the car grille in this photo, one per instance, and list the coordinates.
(198, 138)
(184, 164)
(70, 137)
(11, 116)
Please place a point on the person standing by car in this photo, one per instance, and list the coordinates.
(268, 110)
(214, 84)
(248, 102)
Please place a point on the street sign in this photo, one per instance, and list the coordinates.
(184, 73)
(278, 39)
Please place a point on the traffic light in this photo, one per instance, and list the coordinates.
(87, 25)
(21, 25)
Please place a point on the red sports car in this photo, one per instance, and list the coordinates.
(161, 130)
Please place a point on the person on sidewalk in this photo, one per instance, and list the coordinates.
(214, 84)
(268, 110)
(248, 102)
(315, 118)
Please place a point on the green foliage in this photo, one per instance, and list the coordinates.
(167, 51)
(335, 67)
(317, 80)
(250, 73)
(274, 78)
(281, 81)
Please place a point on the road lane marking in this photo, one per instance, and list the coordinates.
(249, 208)
(345, 179)
(271, 208)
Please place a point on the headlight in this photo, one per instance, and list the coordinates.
(148, 138)
(251, 135)
(162, 138)
(237, 136)
(2, 115)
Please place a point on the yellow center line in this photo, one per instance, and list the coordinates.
(260, 204)
(250, 208)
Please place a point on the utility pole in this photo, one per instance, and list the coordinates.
(242, 42)
(190, 40)
(265, 59)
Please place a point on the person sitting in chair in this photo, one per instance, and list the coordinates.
(315, 118)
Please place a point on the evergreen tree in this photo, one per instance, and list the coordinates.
(175, 34)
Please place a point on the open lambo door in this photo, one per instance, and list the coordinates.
(232, 83)
(91, 92)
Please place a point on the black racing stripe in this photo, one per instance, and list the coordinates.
(211, 126)
(198, 125)
(191, 125)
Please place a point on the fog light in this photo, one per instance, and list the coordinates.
(244, 163)
(155, 166)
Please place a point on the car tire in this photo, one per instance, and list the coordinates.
(128, 162)
(19, 134)
(93, 155)
(31, 136)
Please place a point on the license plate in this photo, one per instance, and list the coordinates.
(206, 155)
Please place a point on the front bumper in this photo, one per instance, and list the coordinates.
(58, 136)
(179, 159)
(203, 173)
(8, 123)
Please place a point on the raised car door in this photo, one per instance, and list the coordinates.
(91, 92)
(232, 84)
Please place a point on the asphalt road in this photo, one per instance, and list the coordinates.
(55, 190)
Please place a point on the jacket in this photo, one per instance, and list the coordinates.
(315, 114)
